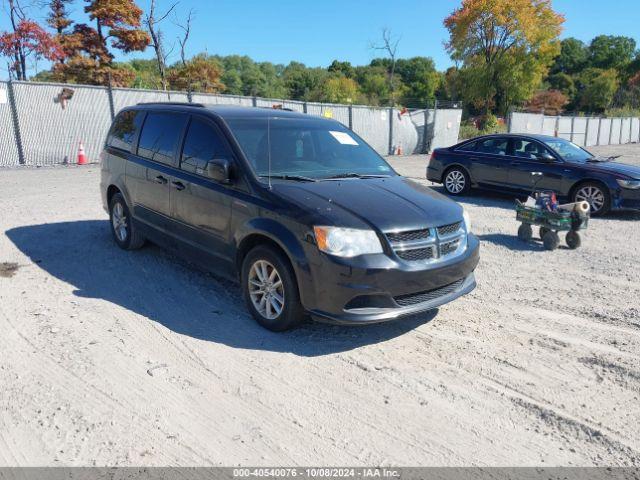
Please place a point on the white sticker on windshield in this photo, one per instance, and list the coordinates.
(343, 138)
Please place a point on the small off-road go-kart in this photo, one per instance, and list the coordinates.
(542, 209)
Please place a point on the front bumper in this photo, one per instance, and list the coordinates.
(380, 289)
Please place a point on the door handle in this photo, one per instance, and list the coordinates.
(161, 179)
(178, 185)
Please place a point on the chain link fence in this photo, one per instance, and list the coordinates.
(39, 127)
(581, 130)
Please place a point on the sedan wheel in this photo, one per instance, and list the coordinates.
(119, 221)
(456, 182)
(123, 229)
(595, 196)
(266, 289)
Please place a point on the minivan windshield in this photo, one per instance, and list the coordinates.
(305, 149)
(569, 151)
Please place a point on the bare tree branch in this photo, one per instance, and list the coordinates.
(390, 46)
(186, 28)
(152, 22)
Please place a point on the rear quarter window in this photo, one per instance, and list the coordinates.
(468, 147)
(160, 135)
(124, 128)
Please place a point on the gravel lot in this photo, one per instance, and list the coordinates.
(136, 358)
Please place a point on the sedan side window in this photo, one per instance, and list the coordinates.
(202, 145)
(528, 149)
(493, 146)
(468, 147)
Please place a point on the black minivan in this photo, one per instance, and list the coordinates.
(307, 216)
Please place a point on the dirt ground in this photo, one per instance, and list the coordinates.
(136, 358)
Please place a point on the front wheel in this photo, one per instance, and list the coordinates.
(270, 289)
(457, 181)
(551, 240)
(525, 232)
(573, 239)
(595, 195)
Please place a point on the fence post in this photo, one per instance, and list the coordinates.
(425, 130)
(390, 130)
(305, 108)
(16, 125)
(630, 128)
(350, 117)
(573, 122)
(620, 139)
(586, 132)
(599, 129)
(610, 130)
(254, 101)
(112, 108)
(433, 129)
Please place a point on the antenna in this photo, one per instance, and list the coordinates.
(269, 149)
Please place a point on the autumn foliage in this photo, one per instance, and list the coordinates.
(551, 102)
(28, 40)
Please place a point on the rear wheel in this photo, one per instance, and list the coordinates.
(551, 240)
(543, 231)
(270, 289)
(525, 232)
(596, 195)
(457, 181)
(123, 230)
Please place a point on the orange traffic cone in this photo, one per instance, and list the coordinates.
(82, 158)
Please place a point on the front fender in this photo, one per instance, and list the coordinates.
(287, 240)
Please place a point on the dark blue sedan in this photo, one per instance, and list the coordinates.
(511, 163)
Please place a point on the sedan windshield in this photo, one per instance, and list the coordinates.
(305, 149)
(569, 151)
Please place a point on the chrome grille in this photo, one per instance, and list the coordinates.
(428, 244)
(416, 254)
(449, 229)
(408, 236)
(420, 297)
(447, 247)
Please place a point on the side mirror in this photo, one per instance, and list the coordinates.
(546, 157)
(219, 169)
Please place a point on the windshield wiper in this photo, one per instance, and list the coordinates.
(297, 178)
(356, 175)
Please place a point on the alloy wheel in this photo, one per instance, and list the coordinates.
(593, 196)
(455, 181)
(266, 289)
(119, 222)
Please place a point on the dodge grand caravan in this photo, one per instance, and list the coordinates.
(300, 209)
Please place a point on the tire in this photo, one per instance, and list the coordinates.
(525, 232)
(124, 231)
(456, 181)
(291, 312)
(573, 239)
(551, 240)
(596, 194)
(543, 231)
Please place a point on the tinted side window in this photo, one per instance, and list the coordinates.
(494, 146)
(202, 144)
(160, 135)
(468, 147)
(124, 128)
(528, 149)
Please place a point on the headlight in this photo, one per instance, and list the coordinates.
(347, 242)
(632, 184)
(467, 221)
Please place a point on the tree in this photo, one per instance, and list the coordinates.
(607, 51)
(338, 89)
(90, 60)
(152, 22)
(301, 82)
(597, 88)
(390, 46)
(374, 84)
(28, 40)
(551, 102)
(343, 68)
(420, 79)
(200, 74)
(25, 39)
(574, 56)
(506, 48)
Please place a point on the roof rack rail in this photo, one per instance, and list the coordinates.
(184, 104)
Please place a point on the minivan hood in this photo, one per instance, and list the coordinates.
(632, 171)
(388, 204)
